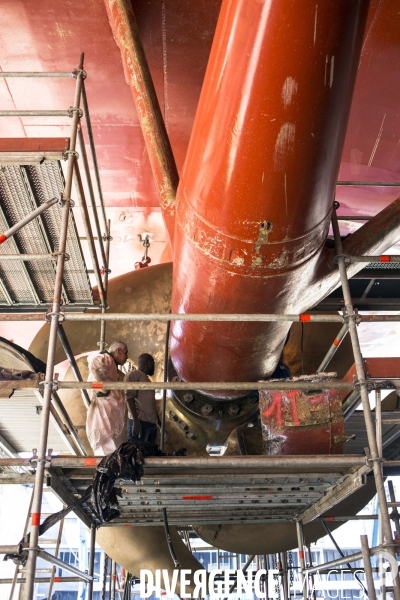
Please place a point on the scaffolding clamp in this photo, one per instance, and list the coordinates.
(52, 384)
(76, 72)
(72, 109)
(50, 315)
(346, 257)
(370, 460)
(346, 317)
(63, 201)
(66, 153)
(358, 385)
(55, 255)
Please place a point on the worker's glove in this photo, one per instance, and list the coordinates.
(102, 394)
(137, 428)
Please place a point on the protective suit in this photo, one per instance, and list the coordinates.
(106, 414)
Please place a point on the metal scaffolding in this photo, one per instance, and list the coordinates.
(338, 476)
(54, 317)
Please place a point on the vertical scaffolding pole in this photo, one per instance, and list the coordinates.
(110, 583)
(15, 580)
(107, 271)
(362, 382)
(378, 429)
(58, 543)
(367, 567)
(284, 576)
(395, 514)
(300, 543)
(93, 152)
(91, 561)
(164, 396)
(266, 567)
(91, 195)
(54, 316)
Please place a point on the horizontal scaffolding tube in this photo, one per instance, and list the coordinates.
(294, 463)
(26, 257)
(34, 74)
(305, 318)
(43, 580)
(344, 560)
(11, 549)
(348, 518)
(34, 113)
(369, 183)
(384, 258)
(199, 385)
(35, 213)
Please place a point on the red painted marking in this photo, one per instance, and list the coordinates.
(336, 342)
(97, 385)
(35, 519)
(89, 462)
(384, 258)
(292, 394)
(304, 318)
(277, 403)
(301, 553)
(330, 518)
(57, 579)
(2, 238)
(127, 525)
(196, 497)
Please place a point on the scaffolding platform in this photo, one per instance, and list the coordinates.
(218, 490)
(31, 173)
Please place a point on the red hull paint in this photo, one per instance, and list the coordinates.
(255, 196)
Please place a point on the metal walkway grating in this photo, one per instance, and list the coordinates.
(234, 490)
(22, 189)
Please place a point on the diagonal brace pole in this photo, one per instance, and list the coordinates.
(38, 211)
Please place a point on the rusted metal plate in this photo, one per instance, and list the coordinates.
(294, 422)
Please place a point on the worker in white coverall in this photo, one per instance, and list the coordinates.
(106, 414)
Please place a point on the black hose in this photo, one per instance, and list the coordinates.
(169, 541)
